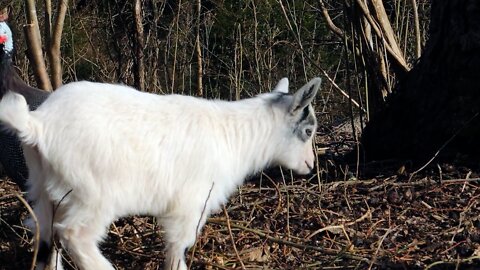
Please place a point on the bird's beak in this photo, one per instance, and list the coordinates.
(3, 39)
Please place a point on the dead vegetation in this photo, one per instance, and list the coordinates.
(385, 219)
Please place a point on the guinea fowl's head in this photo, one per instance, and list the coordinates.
(6, 40)
(6, 50)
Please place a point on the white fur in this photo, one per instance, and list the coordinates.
(103, 151)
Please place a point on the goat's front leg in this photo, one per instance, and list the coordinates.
(181, 229)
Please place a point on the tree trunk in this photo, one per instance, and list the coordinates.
(435, 106)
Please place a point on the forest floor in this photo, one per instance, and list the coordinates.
(386, 217)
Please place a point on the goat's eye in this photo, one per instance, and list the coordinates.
(308, 131)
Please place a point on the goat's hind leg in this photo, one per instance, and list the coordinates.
(48, 257)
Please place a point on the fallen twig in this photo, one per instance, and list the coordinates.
(37, 230)
(374, 258)
(233, 239)
(367, 214)
(327, 251)
(456, 262)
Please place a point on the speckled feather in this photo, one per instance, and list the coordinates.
(11, 153)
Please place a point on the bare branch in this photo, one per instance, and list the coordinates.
(3, 14)
(36, 236)
(418, 39)
(393, 52)
(175, 47)
(335, 29)
(54, 49)
(48, 22)
(34, 43)
(140, 64)
(199, 52)
(386, 26)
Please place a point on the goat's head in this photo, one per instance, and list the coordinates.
(300, 124)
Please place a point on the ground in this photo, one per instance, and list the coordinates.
(386, 217)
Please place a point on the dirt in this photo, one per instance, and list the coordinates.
(386, 217)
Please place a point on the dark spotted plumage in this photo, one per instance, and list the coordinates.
(11, 154)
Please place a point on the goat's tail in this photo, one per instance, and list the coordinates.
(15, 115)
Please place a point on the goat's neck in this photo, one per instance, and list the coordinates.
(252, 137)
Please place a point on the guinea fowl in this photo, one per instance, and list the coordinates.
(11, 153)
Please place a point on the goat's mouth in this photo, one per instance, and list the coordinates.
(310, 167)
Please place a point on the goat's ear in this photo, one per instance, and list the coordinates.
(304, 96)
(282, 86)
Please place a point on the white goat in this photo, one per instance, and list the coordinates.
(102, 151)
